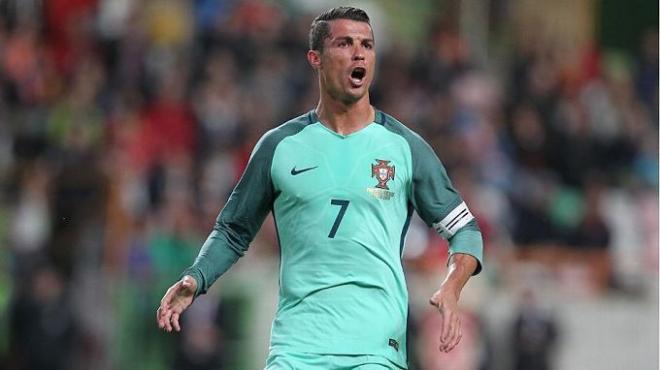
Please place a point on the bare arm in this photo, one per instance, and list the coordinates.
(461, 267)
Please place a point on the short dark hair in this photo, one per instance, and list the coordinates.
(320, 29)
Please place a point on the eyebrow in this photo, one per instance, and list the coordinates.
(349, 38)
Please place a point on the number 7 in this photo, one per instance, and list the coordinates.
(343, 204)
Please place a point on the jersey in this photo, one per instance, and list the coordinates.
(342, 205)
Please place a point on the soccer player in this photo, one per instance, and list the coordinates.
(342, 182)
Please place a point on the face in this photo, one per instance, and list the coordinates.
(346, 64)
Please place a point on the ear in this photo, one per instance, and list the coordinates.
(314, 58)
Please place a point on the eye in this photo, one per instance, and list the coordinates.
(342, 44)
(368, 45)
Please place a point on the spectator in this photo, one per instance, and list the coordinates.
(535, 333)
(43, 328)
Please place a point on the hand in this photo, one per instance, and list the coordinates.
(177, 298)
(450, 333)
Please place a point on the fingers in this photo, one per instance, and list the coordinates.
(165, 311)
(158, 315)
(177, 298)
(452, 327)
(450, 319)
(168, 319)
(163, 316)
(454, 337)
(175, 321)
(458, 340)
(444, 330)
(446, 316)
(447, 325)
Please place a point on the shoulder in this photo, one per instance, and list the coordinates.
(414, 140)
(274, 136)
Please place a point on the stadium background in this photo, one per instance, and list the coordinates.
(124, 125)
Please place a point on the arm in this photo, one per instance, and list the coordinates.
(235, 227)
(461, 267)
(442, 207)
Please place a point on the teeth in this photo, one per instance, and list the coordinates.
(357, 76)
(356, 81)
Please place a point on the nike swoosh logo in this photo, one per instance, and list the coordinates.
(298, 172)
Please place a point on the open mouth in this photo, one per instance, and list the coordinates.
(357, 75)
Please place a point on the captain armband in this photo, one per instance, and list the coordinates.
(456, 219)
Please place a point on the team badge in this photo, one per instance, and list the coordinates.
(383, 173)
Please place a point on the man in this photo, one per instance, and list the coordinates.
(342, 182)
(535, 334)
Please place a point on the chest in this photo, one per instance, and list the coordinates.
(371, 167)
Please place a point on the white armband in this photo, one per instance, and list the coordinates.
(456, 219)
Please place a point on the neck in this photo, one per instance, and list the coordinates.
(345, 118)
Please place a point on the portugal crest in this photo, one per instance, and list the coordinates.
(383, 173)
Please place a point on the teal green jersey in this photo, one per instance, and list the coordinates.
(342, 205)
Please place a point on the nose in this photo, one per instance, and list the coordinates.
(358, 52)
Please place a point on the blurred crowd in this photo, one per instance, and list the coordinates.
(124, 126)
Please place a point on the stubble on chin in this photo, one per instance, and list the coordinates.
(345, 97)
